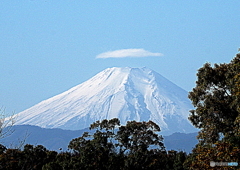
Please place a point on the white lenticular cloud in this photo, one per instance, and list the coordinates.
(128, 53)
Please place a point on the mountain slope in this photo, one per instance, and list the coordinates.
(126, 93)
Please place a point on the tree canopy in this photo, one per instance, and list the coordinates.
(216, 99)
(135, 145)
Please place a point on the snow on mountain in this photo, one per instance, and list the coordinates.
(126, 93)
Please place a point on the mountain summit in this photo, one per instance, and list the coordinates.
(126, 93)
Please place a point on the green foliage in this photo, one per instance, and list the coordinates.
(179, 159)
(10, 159)
(219, 152)
(133, 146)
(51, 166)
(30, 158)
(139, 136)
(216, 99)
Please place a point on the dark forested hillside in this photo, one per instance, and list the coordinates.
(137, 145)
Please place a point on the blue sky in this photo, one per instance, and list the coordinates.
(49, 46)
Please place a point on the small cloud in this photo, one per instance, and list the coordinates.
(128, 53)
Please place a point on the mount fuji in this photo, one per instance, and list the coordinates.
(139, 94)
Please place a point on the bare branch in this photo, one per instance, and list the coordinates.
(6, 123)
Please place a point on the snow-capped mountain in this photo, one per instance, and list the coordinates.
(126, 93)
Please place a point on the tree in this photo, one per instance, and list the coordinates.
(137, 136)
(34, 156)
(216, 99)
(6, 123)
(219, 152)
(135, 145)
(10, 159)
(31, 157)
(96, 151)
(51, 166)
(179, 159)
(141, 144)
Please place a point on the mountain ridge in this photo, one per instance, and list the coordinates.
(58, 139)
